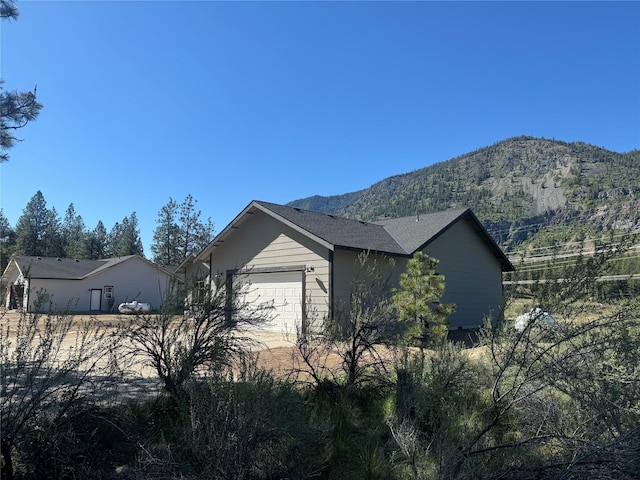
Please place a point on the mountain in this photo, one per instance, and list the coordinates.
(517, 188)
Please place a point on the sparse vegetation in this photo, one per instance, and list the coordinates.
(545, 402)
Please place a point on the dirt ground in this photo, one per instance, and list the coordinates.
(274, 351)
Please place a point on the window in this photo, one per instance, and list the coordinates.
(108, 292)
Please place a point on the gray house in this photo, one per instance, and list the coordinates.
(82, 285)
(289, 254)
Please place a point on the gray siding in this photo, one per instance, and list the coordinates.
(346, 268)
(473, 277)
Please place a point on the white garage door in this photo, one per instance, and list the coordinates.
(285, 290)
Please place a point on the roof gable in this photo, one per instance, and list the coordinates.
(340, 232)
(413, 233)
(63, 268)
(393, 236)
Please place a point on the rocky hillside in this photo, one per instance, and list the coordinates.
(517, 187)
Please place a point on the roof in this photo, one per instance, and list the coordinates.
(413, 233)
(397, 236)
(339, 231)
(64, 268)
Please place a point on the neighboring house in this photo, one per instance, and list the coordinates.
(57, 284)
(289, 254)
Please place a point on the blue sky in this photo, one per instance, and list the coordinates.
(276, 101)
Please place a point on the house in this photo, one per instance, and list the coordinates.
(79, 285)
(289, 254)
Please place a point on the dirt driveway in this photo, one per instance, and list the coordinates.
(274, 351)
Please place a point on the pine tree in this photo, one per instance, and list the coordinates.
(97, 241)
(7, 241)
(195, 235)
(36, 229)
(124, 238)
(53, 238)
(17, 109)
(418, 299)
(74, 234)
(166, 237)
(179, 232)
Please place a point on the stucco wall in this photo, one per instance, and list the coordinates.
(134, 279)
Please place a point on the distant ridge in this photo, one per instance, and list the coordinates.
(515, 183)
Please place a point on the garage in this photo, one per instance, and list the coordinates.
(285, 290)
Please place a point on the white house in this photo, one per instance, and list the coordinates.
(77, 285)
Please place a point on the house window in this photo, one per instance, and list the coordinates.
(108, 292)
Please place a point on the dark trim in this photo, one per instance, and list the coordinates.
(304, 321)
(210, 270)
(331, 284)
(375, 252)
(283, 269)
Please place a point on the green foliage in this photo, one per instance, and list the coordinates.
(179, 232)
(124, 238)
(73, 234)
(605, 264)
(38, 229)
(247, 427)
(418, 298)
(7, 241)
(542, 402)
(39, 232)
(17, 109)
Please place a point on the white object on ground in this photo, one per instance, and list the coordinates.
(134, 307)
(535, 315)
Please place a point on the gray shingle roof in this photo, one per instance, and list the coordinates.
(414, 232)
(62, 268)
(397, 236)
(338, 231)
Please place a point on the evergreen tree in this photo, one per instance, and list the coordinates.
(166, 237)
(34, 231)
(7, 241)
(419, 295)
(17, 109)
(74, 234)
(124, 238)
(179, 232)
(97, 242)
(53, 237)
(195, 235)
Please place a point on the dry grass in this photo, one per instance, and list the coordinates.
(273, 351)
